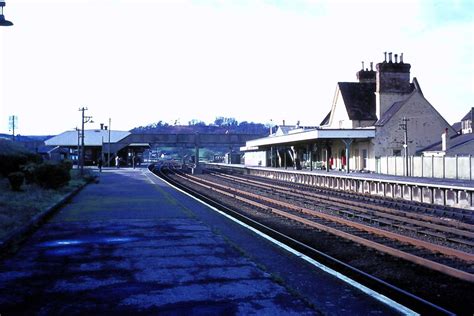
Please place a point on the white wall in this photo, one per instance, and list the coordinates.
(339, 117)
(256, 158)
(449, 167)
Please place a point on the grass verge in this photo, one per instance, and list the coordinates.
(17, 209)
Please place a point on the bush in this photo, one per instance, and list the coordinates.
(52, 176)
(29, 170)
(16, 180)
(11, 162)
(67, 164)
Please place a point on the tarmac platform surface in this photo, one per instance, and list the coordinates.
(132, 244)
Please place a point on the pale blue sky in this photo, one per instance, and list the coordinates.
(141, 61)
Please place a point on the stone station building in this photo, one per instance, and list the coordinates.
(368, 119)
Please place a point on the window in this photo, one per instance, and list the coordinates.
(397, 152)
(466, 126)
(364, 159)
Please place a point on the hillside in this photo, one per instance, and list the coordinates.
(7, 147)
(220, 126)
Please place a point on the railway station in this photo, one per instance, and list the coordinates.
(247, 173)
(383, 114)
(381, 137)
(147, 248)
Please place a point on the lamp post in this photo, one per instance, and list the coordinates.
(85, 119)
(3, 22)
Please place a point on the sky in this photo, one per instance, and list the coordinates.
(138, 62)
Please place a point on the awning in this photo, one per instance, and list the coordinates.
(308, 136)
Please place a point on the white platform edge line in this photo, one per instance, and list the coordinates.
(379, 297)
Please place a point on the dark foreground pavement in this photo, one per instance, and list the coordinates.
(133, 245)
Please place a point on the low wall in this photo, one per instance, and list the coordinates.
(460, 196)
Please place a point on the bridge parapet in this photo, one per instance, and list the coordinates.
(190, 140)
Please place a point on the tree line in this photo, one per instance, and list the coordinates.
(221, 125)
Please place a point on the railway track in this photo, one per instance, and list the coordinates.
(440, 258)
(443, 214)
(353, 219)
(446, 229)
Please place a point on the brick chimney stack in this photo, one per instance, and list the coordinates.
(366, 75)
(393, 82)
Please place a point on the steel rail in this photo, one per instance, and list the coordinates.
(408, 299)
(467, 228)
(231, 192)
(363, 208)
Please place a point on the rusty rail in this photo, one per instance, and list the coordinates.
(237, 194)
(416, 219)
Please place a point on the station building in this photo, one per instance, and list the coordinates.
(98, 144)
(384, 113)
(461, 144)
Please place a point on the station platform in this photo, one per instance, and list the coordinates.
(446, 192)
(132, 244)
(455, 183)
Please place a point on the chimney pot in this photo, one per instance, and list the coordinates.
(396, 58)
(385, 54)
(401, 58)
(371, 66)
(362, 65)
(101, 126)
(389, 57)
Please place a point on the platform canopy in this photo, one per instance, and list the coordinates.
(93, 137)
(307, 136)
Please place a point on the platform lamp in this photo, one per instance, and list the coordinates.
(3, 22)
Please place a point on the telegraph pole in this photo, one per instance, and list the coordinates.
(78, 130)
(85, 119)
(404, 127)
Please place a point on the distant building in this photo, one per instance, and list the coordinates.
(461, 144)
(364, 123)
(97, 145)
(466, 122)
(53, 153)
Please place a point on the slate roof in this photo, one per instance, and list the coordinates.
(359, 98)
(387, 115)
(454, 142)
(325, 121)
(457, 127)
(469, 115)
(91, 138)
(51, 149)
